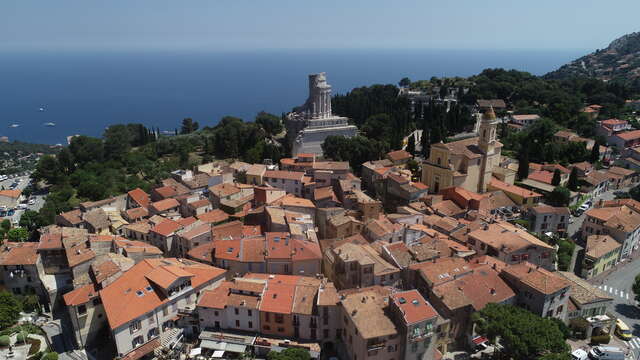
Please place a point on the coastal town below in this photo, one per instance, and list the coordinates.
(422, 221)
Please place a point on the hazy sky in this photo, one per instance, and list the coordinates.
(250, 24)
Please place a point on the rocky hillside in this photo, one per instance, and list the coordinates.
(619, 61)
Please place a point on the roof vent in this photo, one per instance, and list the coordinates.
(402, 300)
(415, 302)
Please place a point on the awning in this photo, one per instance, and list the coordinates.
(224, 346)
(479, 340)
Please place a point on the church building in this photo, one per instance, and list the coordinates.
(466, 163)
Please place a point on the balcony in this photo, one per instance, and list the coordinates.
(376, 346)
(186, 310)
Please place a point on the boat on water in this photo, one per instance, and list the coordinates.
(50, 124)
(14, 125)
(41, 109)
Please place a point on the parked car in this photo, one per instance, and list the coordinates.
(606, 353)
(579, 354)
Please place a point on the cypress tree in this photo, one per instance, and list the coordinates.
(555, 181)
(523, 166)
(411, 145)
(572, 184)
(595, 153)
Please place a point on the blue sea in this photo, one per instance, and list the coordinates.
(82, 93)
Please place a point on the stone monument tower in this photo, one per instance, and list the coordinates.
(308, 125)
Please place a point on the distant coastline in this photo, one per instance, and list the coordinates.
(85, 92)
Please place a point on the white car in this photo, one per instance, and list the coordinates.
(32, 202)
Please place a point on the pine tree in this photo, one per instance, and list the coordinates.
(555, 181)
(572, 184)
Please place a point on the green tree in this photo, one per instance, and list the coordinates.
(18, 234)
(522, 334)
(289, 354)
(404, 82)
(271, 124)
(189, 126)
(411, 145)
(9, 309)
(414, 167)
(48, 170)
(85, 149)
(5, 225)
(117, 141)
(65, 161)
(560, 196)
(555, 181)
(30, 220)
(572, 184)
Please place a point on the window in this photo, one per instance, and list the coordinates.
(414, 347)
(236, 311)
(97, 301)
(250, 324)
(82, 309)
(153, 332)
(280, 329)
(214, 313)
(237, 323)
(279, 318)
(135, 326)
(249, 312)
(151, 319)
(266, 317)
(325, 333)
(165, 311)
(137, 341)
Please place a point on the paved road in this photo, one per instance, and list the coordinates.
(618, 285)
(574, 227)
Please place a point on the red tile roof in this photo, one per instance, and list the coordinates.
(413, 306)
(166, 227)
(629, 135)
(287, 175)
(81, 295)
(165, 204)
(398, 155)
(19, 253)
(11, 193)
(140, 197)
(122, 304)
(214, 216)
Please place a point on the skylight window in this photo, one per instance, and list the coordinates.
(140, 293)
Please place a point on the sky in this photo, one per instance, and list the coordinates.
(237, 25)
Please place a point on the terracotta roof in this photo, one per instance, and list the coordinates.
(11, 193)
(398, 155)
(122, 304)
(74, 217)
(166, 191)
(413, 307)
(195, 231)
(493, 103)
(323, 193)
(227, 231)
(537, 278)
(621, 218)
(137, 213)
(143, 350)
(512, 189)
(621, 171)
(224, 189)
(140, 197)
(582, 292)
(199, 203)
(477, 290)
(613, 122)
(467, 147)
(164, 205)
(304, 299)
(202, 252)
(19, 253)
(214, 216)
(296, 201)
(541, 176)
(365, 255)
(506, 237)
(278, 298)
(447, 208)
(79, 254)
(81, 295)
(628, 135)
(50, 241)
(135, 246)
(366, 309)
(442, 270)
(600, 245)
(166, 227)
(281, 174)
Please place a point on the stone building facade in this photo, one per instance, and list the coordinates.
(308, 125)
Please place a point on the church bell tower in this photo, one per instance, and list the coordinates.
(487, 131)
